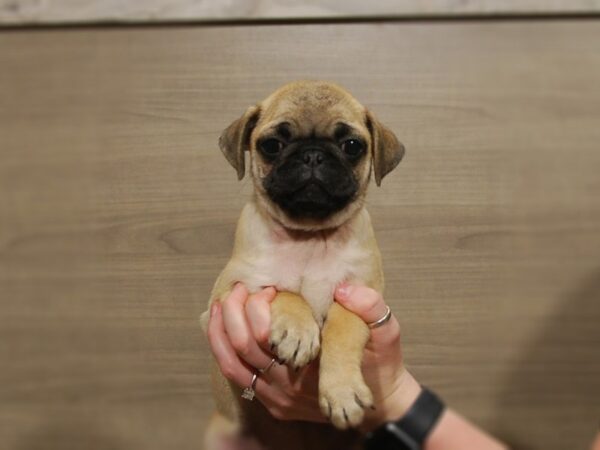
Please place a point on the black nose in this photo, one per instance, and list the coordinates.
(313, 157)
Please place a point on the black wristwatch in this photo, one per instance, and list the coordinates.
(411, 430)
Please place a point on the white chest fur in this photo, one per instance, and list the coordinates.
(310, 265)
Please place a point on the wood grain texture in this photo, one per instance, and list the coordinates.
(117, 212)
(31, 12)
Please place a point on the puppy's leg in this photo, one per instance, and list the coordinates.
(343, 394)
(294, 331)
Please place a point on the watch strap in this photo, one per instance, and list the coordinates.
(421, 417)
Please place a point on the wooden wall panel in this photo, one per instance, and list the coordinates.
(117, 212)
(28, 12)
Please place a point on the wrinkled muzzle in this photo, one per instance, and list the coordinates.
(311, 181)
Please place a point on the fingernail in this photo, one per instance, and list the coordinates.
(269, 290)
(343, 290)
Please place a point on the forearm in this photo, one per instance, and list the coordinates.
(451, 432)
(454, 432)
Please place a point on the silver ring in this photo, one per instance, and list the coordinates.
(249, 392)
(266, 369)
(383, 320)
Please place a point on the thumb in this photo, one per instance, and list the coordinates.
(366, 303)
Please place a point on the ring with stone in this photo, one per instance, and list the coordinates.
(249, 393)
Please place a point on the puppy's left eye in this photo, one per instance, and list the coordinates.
(352, 147)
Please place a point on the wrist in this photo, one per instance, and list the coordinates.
(402, 397)
(394, 405)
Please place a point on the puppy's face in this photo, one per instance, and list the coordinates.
(312, 149)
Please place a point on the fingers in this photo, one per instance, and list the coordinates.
(258, 312)
(278, 401)
(363, 301)
(238, 330)
(229, 363)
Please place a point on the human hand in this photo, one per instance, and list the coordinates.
(238, 334)
(394, 388)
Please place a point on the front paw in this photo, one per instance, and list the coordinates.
(295, 340)
(343, 396)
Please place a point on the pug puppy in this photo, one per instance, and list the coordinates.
(312, 151)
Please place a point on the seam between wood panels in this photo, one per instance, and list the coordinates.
(419, 18)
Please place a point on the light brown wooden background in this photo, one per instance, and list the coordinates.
(117, 212)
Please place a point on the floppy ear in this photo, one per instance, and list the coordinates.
(387, 150)
(235, 140)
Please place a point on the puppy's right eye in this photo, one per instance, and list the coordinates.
(271, 147)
